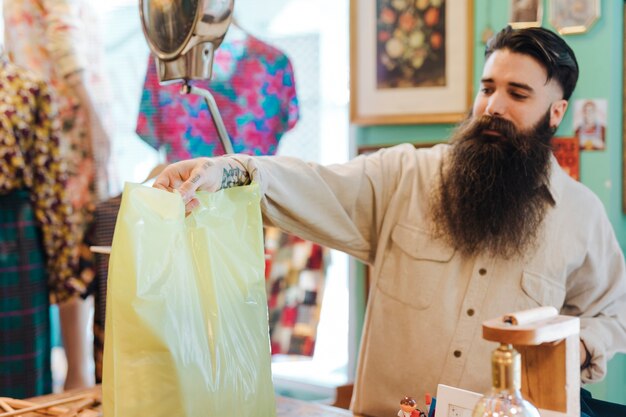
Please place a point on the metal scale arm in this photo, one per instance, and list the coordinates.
(183, 36)
(215, 114)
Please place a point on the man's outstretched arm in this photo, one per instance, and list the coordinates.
(202, 174)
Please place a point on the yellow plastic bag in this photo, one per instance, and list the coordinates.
(186, 320)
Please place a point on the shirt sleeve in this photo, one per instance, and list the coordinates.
(149, 108)
(63, 35)
(290, 110)
(53, 210)
(340, 206)
(596, 292)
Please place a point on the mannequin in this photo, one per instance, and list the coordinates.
(38, 249)
(58, 40)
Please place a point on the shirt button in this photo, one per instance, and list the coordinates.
(457, 353)
(470, 312)
(482, 271)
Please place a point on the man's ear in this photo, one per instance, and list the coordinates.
(557, 111)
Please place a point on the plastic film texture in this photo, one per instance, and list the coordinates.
(186, 320)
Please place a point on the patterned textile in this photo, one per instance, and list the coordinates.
(54, 39)
(38, 257)
(295, 286)
(30, 159)
(102, 235)
(253, 85)
(24, 306)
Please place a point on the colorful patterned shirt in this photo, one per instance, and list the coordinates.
(254, 87)
(30, 159)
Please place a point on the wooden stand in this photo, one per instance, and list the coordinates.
(550, 361)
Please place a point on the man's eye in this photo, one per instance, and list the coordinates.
(518, 96)
(486, 90)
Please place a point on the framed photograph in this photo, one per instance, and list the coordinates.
(526, 13)
(410, 61)
(455, 402)
(574, 16)
(590, 117)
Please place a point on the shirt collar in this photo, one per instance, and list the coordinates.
(557, 179)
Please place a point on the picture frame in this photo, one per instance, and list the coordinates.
(369, 149)
(567, 153)
(455, 402)
(590, 121)
(410, 65)
(624, 125)
(574, 16)
(526, 13)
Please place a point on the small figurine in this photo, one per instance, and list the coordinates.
(408, 408)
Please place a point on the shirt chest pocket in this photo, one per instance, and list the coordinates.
(542, 290)
(414, 266)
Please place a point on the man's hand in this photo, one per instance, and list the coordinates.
(585, 356)
(201, 174)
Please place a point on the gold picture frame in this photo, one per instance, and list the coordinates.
(369, 149)
(571, 17)
(526, 13)
(624, 123)
(410, 62)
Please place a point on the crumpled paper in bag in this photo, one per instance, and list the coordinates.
(186, 323)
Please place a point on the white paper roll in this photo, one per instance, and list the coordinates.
(521, 318)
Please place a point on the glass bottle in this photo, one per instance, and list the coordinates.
(505, 398)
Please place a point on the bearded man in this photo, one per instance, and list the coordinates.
(455, 234)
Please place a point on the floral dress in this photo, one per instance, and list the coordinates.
(38, 253)
(54, 39)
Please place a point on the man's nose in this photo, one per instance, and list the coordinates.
(496, 106)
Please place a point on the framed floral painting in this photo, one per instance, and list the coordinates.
(410, 61)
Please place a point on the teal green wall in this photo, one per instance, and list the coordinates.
(599, 53)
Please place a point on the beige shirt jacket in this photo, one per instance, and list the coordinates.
(427, 302)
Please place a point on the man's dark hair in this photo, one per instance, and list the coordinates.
(548, 48)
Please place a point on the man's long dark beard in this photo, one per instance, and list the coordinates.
(493, 193)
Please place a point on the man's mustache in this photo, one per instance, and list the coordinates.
(485, 123)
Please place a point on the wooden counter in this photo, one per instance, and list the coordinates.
(285, 407)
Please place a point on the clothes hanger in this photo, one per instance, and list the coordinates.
(234, 23)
